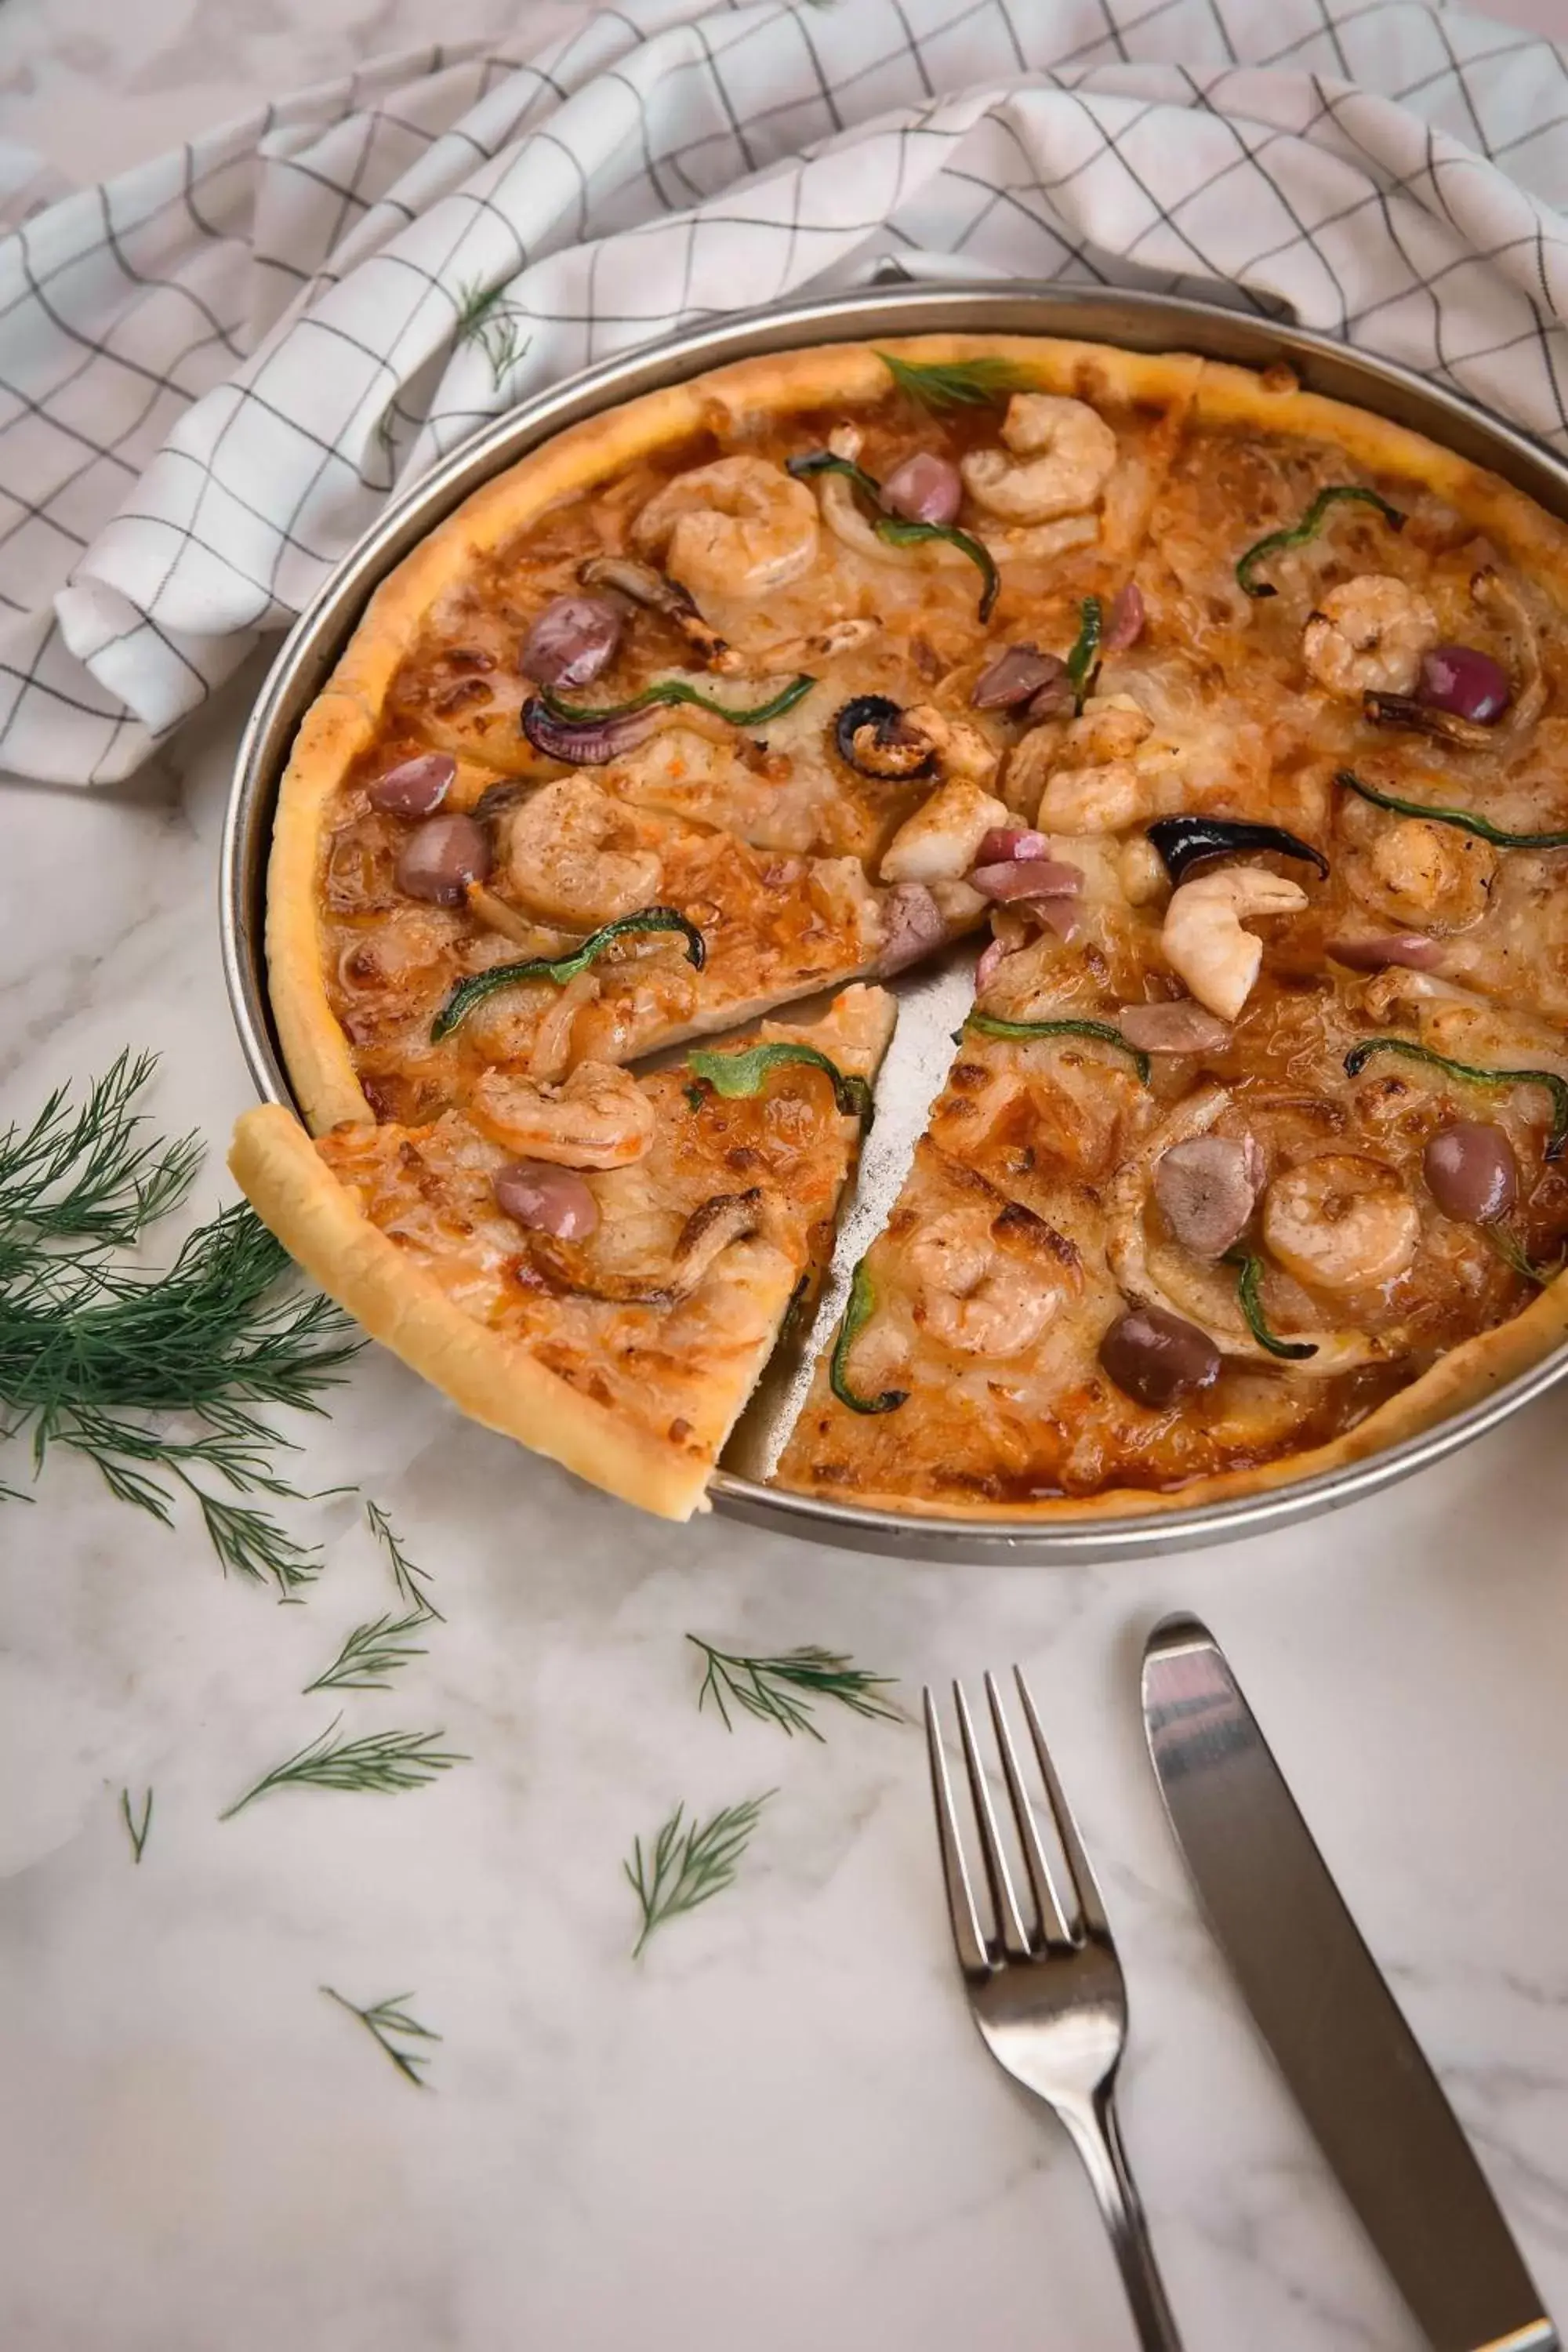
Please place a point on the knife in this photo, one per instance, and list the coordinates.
(1373, 2103)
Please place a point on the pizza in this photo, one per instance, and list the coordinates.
(1232, 721)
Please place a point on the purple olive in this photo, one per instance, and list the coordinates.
(1471, 1172)
(441, 857)
(1207, 1188)
(414, 787)
(1155, 1358)
(1028, 878)
(1006, 841)
(1462, 679)
(572, 640)
(1179, 1027)
(1015, 675)
(925, 488)
(546, 1198)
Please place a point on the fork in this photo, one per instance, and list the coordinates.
(1047, 1995)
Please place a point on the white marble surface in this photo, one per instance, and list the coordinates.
(778, 2128)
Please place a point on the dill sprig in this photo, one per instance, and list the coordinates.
(494, 325)
(95, 1356)
(137, 1833)
(370, 1653)
(942, 385)
(780, 1689)
(689, 1863)
(409, 1578)
(382, 2021)
(383, 1761)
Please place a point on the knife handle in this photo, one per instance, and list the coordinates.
(1097, 2136)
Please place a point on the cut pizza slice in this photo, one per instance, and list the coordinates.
(599, 1268)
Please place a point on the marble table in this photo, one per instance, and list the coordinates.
(778, 2128)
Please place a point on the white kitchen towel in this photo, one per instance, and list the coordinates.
(213, 369)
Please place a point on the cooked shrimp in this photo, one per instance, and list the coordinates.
(970, 1295)
(598, 1117)
(1425, 874)
(1368, 637)
(1109, 727)
(1342, 1222)
(1070, 454)
(1098, 774)
(740, 527)
(562, 863)
(846, 519)
(1203, 936)
(940, 840)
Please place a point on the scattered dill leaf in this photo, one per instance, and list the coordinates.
(382, 1761)
(385, 2018)
(1514, 1255)
(495, 326)
(370, 1653)
(688, 1863)
(138, 1837)
(780, 1689)
(409, 1578)
(942, 385)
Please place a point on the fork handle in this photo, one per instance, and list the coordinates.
(1098, 2137)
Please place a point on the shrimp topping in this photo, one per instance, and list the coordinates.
(973, 1295)
(941, 841)
(1103, 774)
(1368, 637)
(563, 861)
(740, 527)
(1069, 454)
(598, 1118)
(1203, 936)
(1424, 874)
(1342, 1222)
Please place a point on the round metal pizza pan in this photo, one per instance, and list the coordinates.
(1135, 321)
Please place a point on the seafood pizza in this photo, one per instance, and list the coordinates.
(1231, 720)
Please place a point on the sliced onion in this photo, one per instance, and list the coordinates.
(1028, 878)
(441, 857)
(414, 787)
(1062, 916)
(573, 641)
(993, 953)
(1015, 675)
(913, 926)
(925, 488)
(1463, 679)
(586, 742)
(1178, 1027)
(1411, 947)
(1124, 621)
(1010, 841)
(546, 1198)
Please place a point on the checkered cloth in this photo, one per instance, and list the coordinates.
(213, 369)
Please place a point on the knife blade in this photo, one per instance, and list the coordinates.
(1315, 1992)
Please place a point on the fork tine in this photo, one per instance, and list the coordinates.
(1010, 1926)
(1052, 1924)
(1090, 1908)
(967, 1933)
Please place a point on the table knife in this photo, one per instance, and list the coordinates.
(1315, 1992)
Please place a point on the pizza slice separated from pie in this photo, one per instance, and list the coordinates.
(598, 1267)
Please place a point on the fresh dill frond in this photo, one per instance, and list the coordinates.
(137, 1834)
(494, 325)
(370, 1653)
(97, 1357)
(688, 1863)
(409, 1578)
(1514, 1255)
(780, 1689)
(383, 2020)
(942, 385)
(383, 1761)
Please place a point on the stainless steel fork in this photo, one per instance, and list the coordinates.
(1047, 1991)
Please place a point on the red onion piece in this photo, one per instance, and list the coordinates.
(585, 742)
(1471, 1172)
(1411, 947)
(571, 641)
(441, 857)
(925, 488)
(1059, 915)
(1009, 841)
(1179, 1027)
(991, 955)
(414, 787)
(1028, 878)
(1058, 698)
(547, 1199)
(1015, 675)
(1124, 621)
(913, 926)
(1463, 679)
(1207, 1188)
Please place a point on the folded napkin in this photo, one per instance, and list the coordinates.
(213, 369)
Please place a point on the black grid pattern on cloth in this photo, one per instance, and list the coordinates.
(213, 369)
